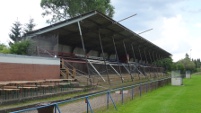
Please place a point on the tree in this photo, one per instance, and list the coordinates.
(16, 32)
(29, 26)
(187, 56)
(197, 63)
(63, 9)
(180, 66)
(186, 63)
(19, 31)
(167, 63)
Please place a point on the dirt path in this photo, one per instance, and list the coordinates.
(96, 102)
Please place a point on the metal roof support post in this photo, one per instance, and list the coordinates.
(117, 58)
(150, 58)
(157, 56)
(101, 45)
(158, 67)
(159, 70)
(144, 69)
(161, 59)
(147, 63)
(140, 53)
(145, 56)
(141, 58)
(127, 60)
(155, 65)
(158, 61)
(83, 47)
(151, 62)
(154, 59)
(133, 52)
(81, 36)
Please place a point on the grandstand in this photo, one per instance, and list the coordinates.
(97, 50)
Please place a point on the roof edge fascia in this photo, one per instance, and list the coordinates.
(54, 27)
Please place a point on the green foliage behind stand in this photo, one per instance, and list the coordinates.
(60, 10)
(167, 63)
(4, 49)
(186, 64)
(20, 48)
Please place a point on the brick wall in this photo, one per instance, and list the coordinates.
(28, 68)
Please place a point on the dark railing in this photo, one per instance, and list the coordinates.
(99, 101)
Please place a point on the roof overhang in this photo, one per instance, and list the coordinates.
(95, 24)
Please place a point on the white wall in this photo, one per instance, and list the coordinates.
(9, 58)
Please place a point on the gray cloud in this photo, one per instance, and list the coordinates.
(175, 22)
(147, 10)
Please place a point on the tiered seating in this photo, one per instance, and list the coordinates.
(91, 69)
(12, 90)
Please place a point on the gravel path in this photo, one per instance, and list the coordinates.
(96, 102)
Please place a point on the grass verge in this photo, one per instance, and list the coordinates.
(168, 99)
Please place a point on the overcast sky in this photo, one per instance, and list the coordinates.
(176, 23)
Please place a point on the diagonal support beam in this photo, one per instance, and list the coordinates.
(101, 45)
(84, 49)
(126, 53)
(116, 72)
(96, 70)
(128, 71)
(138, 70)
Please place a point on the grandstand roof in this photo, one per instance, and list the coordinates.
(92, 24)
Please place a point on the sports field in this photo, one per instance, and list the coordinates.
(168, 99)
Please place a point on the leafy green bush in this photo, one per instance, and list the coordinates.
(4, 49)
(20, 48)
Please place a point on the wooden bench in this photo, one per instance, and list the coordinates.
(9, 92)
(10, 87)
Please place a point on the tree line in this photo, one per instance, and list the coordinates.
(185, 64)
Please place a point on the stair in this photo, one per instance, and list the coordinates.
(66, 72)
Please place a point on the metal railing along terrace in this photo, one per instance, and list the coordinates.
(98, 101)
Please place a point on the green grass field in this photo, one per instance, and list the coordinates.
(168, 99)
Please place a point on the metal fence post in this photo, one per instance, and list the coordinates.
(108, 96)
(112, 100)
(57, 108)
(86, 100)
(140, 90)
(122, 95)
(132, 93)
(88, 105)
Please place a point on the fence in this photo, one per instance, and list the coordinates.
(99, 101)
